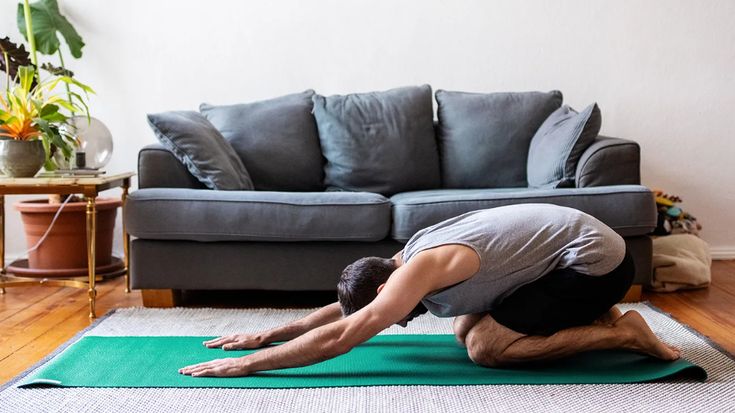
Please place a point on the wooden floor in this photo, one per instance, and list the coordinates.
(36, 320)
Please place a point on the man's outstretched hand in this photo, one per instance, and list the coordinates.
(236, 342)
(229, 367)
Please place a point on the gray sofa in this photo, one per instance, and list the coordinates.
(188, 237)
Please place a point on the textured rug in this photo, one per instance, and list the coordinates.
(385, 360)
(717, 394)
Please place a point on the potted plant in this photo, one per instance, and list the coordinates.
(35, 113)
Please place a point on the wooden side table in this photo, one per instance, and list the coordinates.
(90, 188)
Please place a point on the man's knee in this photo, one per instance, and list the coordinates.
(462, 326)
(481, 351)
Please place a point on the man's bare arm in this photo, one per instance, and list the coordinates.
(404, 289)
(318, 318)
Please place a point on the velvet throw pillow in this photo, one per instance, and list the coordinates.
(276, 138)
(484, 137)
(204, 151)
(558, 144)
(379, 142)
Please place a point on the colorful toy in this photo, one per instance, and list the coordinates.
(671, 218)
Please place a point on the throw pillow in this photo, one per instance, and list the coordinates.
(558, 144)
(277, 139)
(379, 142)
(204, 151)
(484, 138)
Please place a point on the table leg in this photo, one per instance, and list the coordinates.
(91, 251)
(126, 237)
(2, 242)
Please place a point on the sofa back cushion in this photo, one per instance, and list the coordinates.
(276, 139)
(558, 144)
(202, 149)
(484, 138)
(379, 142)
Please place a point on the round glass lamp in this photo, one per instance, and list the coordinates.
(94, 139)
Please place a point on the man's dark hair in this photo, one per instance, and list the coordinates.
(358, 285)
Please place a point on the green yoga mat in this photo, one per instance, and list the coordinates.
(384, 360)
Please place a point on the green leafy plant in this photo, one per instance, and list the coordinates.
(46, 22)
(31, 108)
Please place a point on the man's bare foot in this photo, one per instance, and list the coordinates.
(610, 317)
(643, 339)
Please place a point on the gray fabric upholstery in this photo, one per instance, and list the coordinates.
(558, 144)
(302, 266)
(202, 149)
(159, 168)
(609, 161)
(484, 138)
(276, 139)
(641, 250)
(379, 142)
(202, 215)
(628, 209)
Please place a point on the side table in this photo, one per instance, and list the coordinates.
(90, 187)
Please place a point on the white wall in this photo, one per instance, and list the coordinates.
(662, 71)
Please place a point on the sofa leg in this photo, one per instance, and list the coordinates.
(161, 298)
(634, 294)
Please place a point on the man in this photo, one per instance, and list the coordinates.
(525, 282)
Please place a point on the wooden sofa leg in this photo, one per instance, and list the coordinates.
(161, 298)
(634, 294)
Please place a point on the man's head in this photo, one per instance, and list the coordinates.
(362, 280)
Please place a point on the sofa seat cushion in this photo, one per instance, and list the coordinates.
(204, 215)
(628, 209)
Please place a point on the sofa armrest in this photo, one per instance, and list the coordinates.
(609, 161)
(159, 168)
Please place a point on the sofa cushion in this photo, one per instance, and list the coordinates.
(201, 148)
(277, 140)
(202, 215)
(559, 143)
(628, 209)
(379, 142)
(484, 138)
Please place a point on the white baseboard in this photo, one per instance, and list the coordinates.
(723, 253)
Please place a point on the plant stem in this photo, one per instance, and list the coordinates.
(68, 89)
(7, 73)
(29, 31)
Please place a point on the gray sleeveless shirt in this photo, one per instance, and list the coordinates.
(516, 244)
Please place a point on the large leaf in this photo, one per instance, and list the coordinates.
(57, 71)
(26, 74)
(17, 56)
(47, 21)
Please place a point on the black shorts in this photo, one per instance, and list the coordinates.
(562, 299)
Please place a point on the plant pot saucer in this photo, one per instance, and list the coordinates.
(20, 268)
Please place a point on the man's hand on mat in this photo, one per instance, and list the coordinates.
(236, 342)
(229, 367)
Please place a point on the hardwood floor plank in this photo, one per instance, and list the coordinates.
(18, 299)
(43, 316)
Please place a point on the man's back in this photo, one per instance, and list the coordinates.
(516, 245)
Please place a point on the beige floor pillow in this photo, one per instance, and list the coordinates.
(680, 262)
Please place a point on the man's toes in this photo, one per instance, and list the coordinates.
(675, 350)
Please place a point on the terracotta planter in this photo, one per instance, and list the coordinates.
(65, 247)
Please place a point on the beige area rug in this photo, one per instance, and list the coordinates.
(715, 395)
